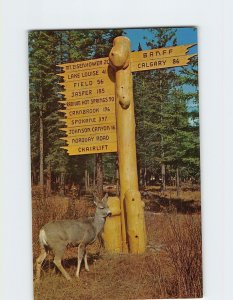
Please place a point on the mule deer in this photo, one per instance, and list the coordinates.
(57, 235)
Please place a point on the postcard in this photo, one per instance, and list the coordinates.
(115, 163)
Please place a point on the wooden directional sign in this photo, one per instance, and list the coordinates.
(89, 101)
(88, 83)
(160, 58)
(91, 120)
(160, 53)
(91, 148)
(89, 97)
(90, 138)
(161, 63)
(84, 130)
(95, 69)
(101, 73)
(81, 93)
(89, 111)
(86, 64)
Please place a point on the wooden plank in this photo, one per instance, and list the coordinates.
(85, 64)
(103, 72)
(93, 129)
(159, 53)
(161, 63)
(90, 102)
(72, 94)
(90, 139)
(91, 120)
(89, 83)
(89, 111)
(97, 148)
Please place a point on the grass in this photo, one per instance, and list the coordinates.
(170, 268)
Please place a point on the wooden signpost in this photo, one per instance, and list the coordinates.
(160, 58)
(89, 101)
(99, 118)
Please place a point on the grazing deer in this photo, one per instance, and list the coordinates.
(57, 235)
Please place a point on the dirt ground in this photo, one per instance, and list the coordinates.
(170, 268)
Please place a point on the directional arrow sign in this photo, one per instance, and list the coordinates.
(90, 149)
(93, 129)
(89, 97)
(88, 83)
(82, 93)
(161, 63)
(99, 138)
(90, 102)
(91, 120)
(160, 53)
(86, 64)
(89, 111)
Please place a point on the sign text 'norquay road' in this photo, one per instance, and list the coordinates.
(89, 97)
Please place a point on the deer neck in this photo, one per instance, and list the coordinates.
(98, 223)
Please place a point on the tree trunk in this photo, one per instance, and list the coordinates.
(94, 176)
(177, 182)
(62, 184)
(163, 172)
(99, 175)
(49, 181)
(144, 177)
(71, 204)
(41, 181)
(34, 177)
(88, 180)
(141, 177)
(86, 183)
(57, 183)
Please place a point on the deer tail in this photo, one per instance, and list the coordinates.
(42, 238)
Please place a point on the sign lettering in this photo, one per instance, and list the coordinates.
(160, 53)
(95, 148)
(89, 102)
(74, 131)
(89, 97)
(161, 63)
(90, 138)
(71, 113)
(91, 120)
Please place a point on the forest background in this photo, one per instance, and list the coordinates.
(166, 109)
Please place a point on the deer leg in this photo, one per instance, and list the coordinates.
(39, 262)
(85, 261)
(81, 251)
(57, 261)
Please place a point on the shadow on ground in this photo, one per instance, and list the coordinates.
(156, 203)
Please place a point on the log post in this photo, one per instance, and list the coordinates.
(120, 61)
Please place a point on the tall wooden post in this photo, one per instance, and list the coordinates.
(120, 61)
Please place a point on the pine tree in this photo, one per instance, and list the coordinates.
(47, 49)
(42, 77)
(153, 89)
(164, 121)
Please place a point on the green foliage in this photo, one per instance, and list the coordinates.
(166, 108)
(167, 126)
(47, 49)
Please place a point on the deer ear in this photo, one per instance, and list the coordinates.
(105, 198)
(96, 199)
